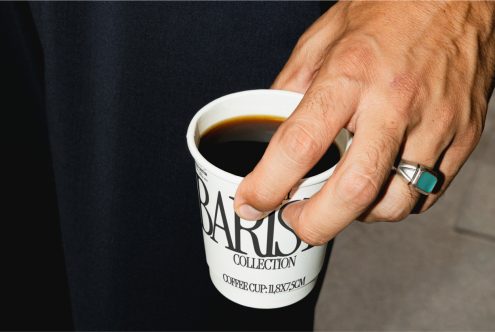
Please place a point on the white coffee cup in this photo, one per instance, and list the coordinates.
(260, 264)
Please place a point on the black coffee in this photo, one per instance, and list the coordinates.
(236, 145)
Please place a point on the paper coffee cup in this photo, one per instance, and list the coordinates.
(260, 264)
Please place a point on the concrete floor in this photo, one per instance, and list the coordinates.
(434, 271)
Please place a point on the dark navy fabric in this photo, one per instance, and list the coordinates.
(121, 82)
(33, 282)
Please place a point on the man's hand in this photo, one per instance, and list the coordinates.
(410, 80)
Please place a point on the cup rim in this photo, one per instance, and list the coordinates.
(203, 162)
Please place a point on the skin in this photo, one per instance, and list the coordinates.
(409, 79)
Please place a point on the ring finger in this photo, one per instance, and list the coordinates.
(398, 198)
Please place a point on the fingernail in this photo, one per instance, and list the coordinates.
(248, 212)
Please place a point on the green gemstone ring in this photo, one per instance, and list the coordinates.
(420, 177)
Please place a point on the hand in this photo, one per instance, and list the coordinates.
(410, 80)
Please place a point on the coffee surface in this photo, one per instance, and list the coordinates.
(236, 145)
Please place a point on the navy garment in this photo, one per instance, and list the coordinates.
(120, 83)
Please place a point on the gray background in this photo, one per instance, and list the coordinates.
(434, 271)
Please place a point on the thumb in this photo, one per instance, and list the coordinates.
(307, 57)
(300, 70)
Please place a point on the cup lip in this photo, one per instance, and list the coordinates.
(203, 162)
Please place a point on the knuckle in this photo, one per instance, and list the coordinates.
(301, 144)
(357, 188)
(353, 56)
(263, 197)
(260, 195)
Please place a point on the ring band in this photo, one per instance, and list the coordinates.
(422, 178)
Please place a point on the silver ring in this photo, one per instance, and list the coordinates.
(422, 178)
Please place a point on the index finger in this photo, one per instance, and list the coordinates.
(295, 148)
